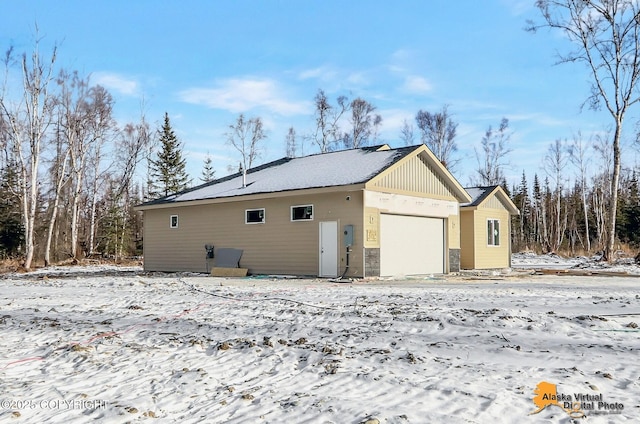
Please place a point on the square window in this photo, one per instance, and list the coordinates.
(302, 213)
(493, 232)
(254, 216)
(173, 221)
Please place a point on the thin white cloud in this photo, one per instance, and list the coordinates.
(116, 82)
(518, 7)
(401, 64)
(241, 95)
(539, 119)
(416, 84)
(358, 79)
(393, 120)
(322, 73)
(401, 55)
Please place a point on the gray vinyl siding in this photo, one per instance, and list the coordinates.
(278, 246)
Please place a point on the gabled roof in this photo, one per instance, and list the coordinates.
(438, 169)
(479, 195)
(341, 168)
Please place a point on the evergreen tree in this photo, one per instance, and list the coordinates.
(11, 228)
(521, 224)
(628, 222)
(208, 173)
(168, 171)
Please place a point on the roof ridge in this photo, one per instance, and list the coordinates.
(348, 166)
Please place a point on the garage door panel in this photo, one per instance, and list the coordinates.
(411, 245)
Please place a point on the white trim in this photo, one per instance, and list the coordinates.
(171, 225)
(301, 206)
(264, 216)
(410, 205)
(493, 227)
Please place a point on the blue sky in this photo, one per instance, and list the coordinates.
(205, 62)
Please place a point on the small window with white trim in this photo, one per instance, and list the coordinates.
(254, 216)
(173, 221)
(302, 213)
(493, 232)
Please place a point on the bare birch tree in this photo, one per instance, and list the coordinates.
(327, 131)
(438, 132)
(601, 183)
(29, 119)
(245, 136)
(579, 157)
(100, 130)
(492, 159)
(132, 144)
(605, 36)
(364, 124)
(554, 164)
(74, 127)
(291, 141)
(407, 133)
(59, 179)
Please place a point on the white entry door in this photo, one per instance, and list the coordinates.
(328, 249)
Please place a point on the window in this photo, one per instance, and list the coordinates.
(302, 213)
(493, 232)
(254, 216)
(173, 221)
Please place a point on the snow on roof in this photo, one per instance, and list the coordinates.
(477, 194)
(340, 168)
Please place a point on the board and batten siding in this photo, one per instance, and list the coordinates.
(277, 246)
(414, 177)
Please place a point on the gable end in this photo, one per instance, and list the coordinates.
(414, 175)
(493, 203)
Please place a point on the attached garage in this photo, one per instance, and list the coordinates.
(367, 212)
(411, 245)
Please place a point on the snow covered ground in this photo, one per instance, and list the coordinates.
(592, 263)
(122, 346)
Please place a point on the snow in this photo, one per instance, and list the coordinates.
(593, 263)
(121, 345)
(321, 170)
(476, 193)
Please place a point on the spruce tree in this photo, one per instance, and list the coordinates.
(11, 228)
(521, 223)
(628, 221)
(208, 173)
(168, 171)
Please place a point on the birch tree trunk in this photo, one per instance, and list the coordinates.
(605, 37)
(29, 120)
(59, 171)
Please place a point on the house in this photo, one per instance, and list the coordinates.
(485, 224)
(373, 211)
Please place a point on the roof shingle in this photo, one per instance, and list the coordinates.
(339, 168)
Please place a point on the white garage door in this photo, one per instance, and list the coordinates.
(411, 245)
